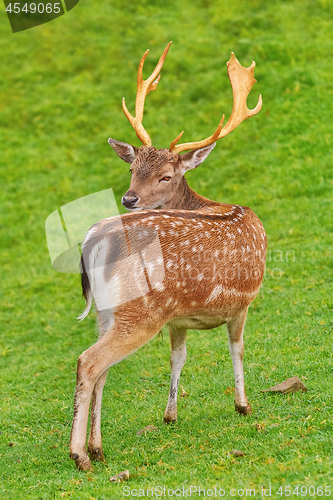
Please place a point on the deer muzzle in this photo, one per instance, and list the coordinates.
(129, 200)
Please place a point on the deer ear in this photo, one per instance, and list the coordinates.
(125, 151)
(193, 159)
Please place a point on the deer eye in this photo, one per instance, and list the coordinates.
(166, 178)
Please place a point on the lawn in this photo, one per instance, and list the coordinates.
(61, 86)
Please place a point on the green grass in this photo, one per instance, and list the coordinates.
(61, 86)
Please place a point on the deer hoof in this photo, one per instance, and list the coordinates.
(169, 419)
(82, 462)
(96, 454)
(244, 409)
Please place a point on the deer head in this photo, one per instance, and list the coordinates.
(157, 175)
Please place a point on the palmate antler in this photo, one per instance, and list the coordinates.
(241, 79)
(143, 89)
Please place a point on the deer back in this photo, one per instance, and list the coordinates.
(206, 262)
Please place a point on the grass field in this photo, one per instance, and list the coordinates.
(61, 86)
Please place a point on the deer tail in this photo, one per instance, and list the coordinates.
(86, 290)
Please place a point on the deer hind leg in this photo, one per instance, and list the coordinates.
(236, 345)
(95, 449)
(177, 361)
(114, 346)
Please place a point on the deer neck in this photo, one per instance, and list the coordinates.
(187, 199)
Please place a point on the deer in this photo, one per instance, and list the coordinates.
(176, 259)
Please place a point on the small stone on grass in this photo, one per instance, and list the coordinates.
(293, 384)
(149, 428)
(237, 453)
(122, 476)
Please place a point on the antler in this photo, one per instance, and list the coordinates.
(242, 80)
(143, 89)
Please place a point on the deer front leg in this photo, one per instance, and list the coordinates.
(95, 448)
(177, 361)
(236, 345)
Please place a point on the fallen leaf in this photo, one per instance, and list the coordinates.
(184, 393)
(260, 427)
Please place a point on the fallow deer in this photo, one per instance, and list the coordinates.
(184, 261)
